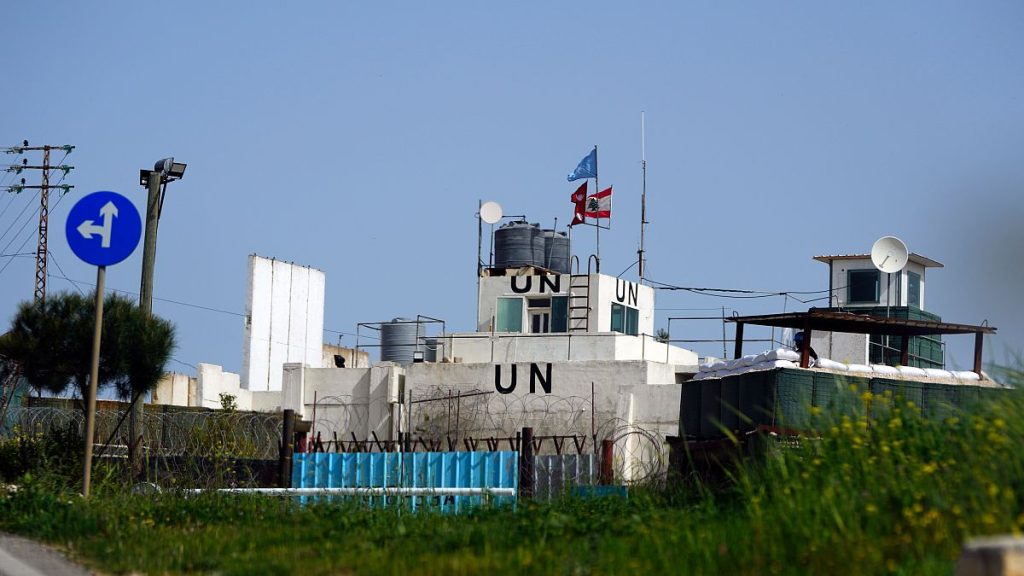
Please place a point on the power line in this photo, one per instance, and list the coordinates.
(745, 294)
(73, 283)
(27, 238)
(18, 217)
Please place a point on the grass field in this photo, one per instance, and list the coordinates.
(894, 493)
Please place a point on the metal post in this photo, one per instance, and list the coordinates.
(739, 340)
(526, 463)
(287, 449)
(94, 375)
(607, 462)
(979, 339)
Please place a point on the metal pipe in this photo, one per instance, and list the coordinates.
(365, 491)
(94, 370)
(284, 478)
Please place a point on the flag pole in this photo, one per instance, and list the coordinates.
(597, 230)
(643, 195)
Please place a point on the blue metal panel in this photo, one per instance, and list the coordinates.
(412, 470)
(554, 475)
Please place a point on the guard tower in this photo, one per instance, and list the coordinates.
(857, 285)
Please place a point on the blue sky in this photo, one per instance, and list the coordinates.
(357, 138)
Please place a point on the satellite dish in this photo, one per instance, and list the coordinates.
(490, 212)
(889, 254)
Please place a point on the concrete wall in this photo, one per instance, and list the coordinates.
(486, 348)
(648, 414)
(606, 290)
(175, 389)
(353, 358)
(603, 291)
(496, 400)
(841, 347)
(525, 286)
(212, 381)
(205, 388)
(284, 320)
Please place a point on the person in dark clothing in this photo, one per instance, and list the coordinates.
(800, 341)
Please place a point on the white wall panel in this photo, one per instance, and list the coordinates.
(256, 356)
(298, 299)
(315, 319)
(280, 304)
(284, 322)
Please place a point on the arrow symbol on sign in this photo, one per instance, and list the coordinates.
(87, 228)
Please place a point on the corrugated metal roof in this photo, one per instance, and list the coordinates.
(831, 321)
(914, 257)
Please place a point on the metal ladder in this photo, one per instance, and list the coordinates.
(579, 296)
(579, 302)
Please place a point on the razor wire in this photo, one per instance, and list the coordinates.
(437, 413)
(441, 418)
(251, 435)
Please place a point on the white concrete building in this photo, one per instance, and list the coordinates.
(529, 364)
(565, 354)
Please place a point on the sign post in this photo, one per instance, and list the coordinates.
(103, 228)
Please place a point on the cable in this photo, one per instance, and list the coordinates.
(18, 217)
(57, 264)
(20, 248)
(737, 293)
(29, 237)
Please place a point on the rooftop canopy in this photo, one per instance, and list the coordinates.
(835, 321)
(913, 257)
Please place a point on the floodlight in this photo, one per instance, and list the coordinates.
(170, 169)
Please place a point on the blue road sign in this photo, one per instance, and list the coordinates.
(103, 228)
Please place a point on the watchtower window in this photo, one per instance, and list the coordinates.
(913, 289)
(863, 287)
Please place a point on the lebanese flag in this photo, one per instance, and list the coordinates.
(599, 205)
(579, 198)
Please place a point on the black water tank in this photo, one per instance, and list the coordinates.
(518, 244)
(556, 251)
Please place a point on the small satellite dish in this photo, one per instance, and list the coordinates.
(490, 212)
(889, 254)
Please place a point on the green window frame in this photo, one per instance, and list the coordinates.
(509, 315)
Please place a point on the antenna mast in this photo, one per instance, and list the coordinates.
(643, 198)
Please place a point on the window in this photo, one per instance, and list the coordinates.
(862, 286)
(625, 319)
(560, 314)
(913, 289)
(510, 315)
(547, 315)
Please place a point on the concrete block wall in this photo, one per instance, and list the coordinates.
(212, 381)
(175, 389)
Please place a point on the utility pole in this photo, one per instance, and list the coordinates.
(152, 221)
(44, 201)
(155, 181)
